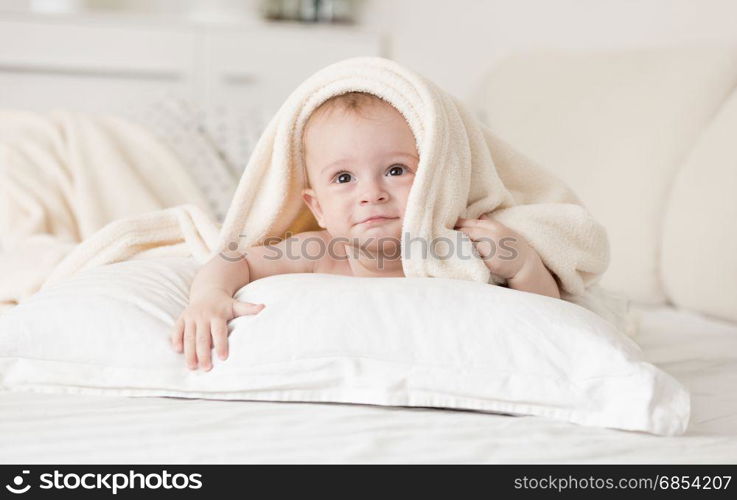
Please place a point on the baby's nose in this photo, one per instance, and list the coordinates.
(374, 199)
(374, 194)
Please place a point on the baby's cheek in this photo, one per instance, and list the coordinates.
(405, 197)
(339, 224)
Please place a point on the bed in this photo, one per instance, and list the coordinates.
(697, 348)
(700, 352)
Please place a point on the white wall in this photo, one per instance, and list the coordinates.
(454, 43)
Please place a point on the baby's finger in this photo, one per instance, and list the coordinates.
(220, 337)
(176, 335)
(467, 223)
(483, 221)
(482, 242)
(474, 233)
(203, 344)
(485, 228)
(243, 308)
(471, 223)
(190, 356)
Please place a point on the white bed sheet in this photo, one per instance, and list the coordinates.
(700, 352)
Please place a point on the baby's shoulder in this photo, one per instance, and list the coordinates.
(321, 236)
(298, 253)
(325, 257)
(310, 244)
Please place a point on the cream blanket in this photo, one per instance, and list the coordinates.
(64, 176)
(464, 171)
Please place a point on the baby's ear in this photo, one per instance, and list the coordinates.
(308, 195)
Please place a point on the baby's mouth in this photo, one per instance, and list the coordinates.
(377, 220)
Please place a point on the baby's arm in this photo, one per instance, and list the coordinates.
(297, 254)
(204, 322)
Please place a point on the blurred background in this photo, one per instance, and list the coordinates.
(259, 49)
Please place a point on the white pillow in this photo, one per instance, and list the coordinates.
(614, 125)
(384, 341)
(699, 245)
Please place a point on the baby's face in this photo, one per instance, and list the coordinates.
(360, 165)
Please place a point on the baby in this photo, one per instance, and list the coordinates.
(361, 159)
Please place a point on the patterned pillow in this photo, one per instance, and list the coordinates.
(213, 143)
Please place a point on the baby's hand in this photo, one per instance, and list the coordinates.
(204, 323)
(504, 251)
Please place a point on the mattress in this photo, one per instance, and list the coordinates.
(700, 352)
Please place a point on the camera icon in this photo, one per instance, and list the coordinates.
(233, 246)
(18, 482)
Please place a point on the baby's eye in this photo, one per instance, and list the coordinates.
(397, 169)
(343, 175)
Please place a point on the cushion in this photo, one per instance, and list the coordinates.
(213, 142)
(699, 244)
(427, 342)
(615, 126)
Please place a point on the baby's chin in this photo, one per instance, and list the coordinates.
(386, 236)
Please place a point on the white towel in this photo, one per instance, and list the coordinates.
(464, 171)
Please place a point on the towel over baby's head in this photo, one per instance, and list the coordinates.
(448, 165)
